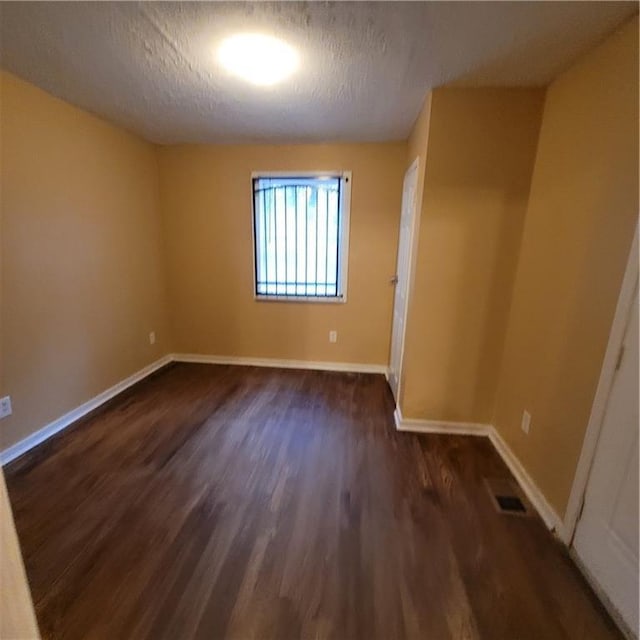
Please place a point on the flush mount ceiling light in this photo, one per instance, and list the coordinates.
(256, 58)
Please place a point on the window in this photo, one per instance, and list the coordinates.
(301, 227)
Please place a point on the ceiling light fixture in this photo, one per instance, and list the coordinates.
(259, 59)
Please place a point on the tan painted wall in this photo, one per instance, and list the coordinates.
(481, 149)
(579, 226)
(82, 283)
(206, 200)
(17, 617)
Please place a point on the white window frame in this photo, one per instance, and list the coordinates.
(343, 235)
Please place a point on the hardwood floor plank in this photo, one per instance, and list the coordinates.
(216, 501)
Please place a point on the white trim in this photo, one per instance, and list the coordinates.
(320, 365)
(343, 234)
(616, 336)
(439, 426)
(312, 299)
(16, 450)
(602, 596)
(293, 173)
(531, 490)
(527, 484)
(402, 424)
(414, 166)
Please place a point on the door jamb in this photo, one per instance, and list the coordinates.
(598, 408)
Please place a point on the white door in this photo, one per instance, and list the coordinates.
(606, 538)
(401, 278)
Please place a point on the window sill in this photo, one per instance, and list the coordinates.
(312, 299)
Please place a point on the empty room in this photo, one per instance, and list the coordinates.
(319, 320)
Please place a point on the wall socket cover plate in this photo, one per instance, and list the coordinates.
(5, 407)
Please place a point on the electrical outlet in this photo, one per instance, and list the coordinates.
(152, 337)
(526, 421)
(5, 407)
(333, 336)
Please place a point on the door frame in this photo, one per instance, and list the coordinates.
(415, 225)
(599, 406)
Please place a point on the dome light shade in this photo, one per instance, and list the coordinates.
(259, 59)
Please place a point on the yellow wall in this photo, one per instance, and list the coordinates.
(481, 149)
(206, 202)
(578, 231)
(82, 283)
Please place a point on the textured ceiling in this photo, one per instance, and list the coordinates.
(365, 67)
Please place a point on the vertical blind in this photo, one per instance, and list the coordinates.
(297, 228)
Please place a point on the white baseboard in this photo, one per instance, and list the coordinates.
(547, 513)
(531, 490)
(283, 364)
(439, 426)
(526, 482)
(16, 450)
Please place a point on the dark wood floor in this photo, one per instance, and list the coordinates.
(239, 502)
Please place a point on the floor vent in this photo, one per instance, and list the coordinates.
(511, 503)
(507, 497)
